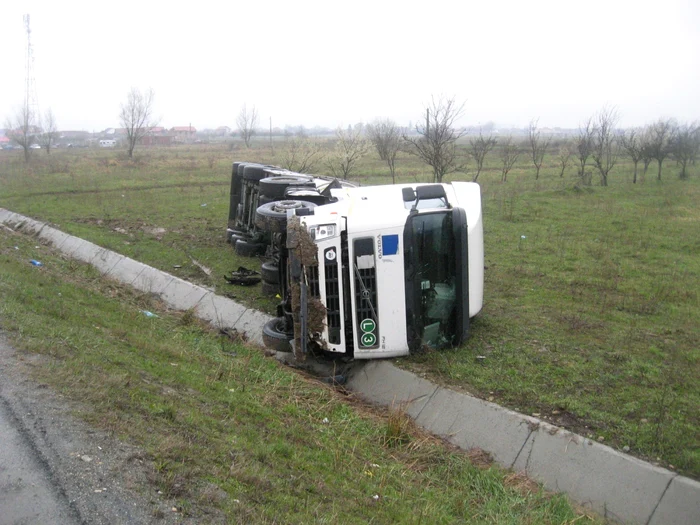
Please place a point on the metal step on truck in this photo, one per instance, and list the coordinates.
(362, 271)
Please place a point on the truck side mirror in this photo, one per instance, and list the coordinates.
(408, 194)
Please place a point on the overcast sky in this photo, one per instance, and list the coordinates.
(333, 63)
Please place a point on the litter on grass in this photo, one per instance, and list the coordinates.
(243, 276)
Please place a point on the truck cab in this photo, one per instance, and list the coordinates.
(372, 271)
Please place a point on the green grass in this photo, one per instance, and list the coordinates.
(589, 321)
(230, 434)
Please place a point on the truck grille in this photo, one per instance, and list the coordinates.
(363, 299)
(332, 298)
(365, 275)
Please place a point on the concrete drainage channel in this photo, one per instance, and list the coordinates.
(618, 486)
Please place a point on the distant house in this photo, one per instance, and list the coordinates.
(222, 131)
(183, 133)
(156, 140)
(75, 135)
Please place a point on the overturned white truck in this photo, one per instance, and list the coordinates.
(363, 271)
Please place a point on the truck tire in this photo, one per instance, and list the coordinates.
(274, 187)
(272, 217)
(262, 199)
(270, 290)
(253, 172)
(270, 273)
(247, 248)
(275, 337)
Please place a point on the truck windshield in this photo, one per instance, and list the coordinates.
(433, 279)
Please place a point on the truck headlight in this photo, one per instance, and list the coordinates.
(323, 231)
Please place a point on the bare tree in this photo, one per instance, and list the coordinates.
(301, 154)
(136, 117)
(385, 136)
(605, 149)
(631, 142)
(21, 128)
(684, 145)
(659, 141)
(538, 146)
(563, 158)
(247, 120)
(479, 147)
(646, 149)
(584, 145)
(509, 155)
(350, 147)
(436, 144)
(49, 133)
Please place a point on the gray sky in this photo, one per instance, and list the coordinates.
(335, 63)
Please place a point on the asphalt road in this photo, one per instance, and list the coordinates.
(57, 470)
(28, 494)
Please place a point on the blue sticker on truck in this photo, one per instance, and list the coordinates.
(388, 245)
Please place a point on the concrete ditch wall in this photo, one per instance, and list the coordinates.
(619, 487)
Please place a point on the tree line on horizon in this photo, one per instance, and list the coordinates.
(598, 143)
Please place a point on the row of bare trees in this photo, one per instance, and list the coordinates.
(598, 143)
(664, 139)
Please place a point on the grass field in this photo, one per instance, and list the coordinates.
(591, 303)
(233, 436)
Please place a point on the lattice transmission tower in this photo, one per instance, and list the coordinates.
(31, 100)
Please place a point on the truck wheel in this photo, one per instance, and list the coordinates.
(270, 289)
(272, 217)
(253, 172)
(274, 187)
(275, 336)
(246, 248)
(270, 273)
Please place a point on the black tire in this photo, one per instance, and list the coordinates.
(274, 187)
(270, 289)
(262, 199)
(272, 217)
(254, 172)
(246, 248)
(275, 337)
(270, 273)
